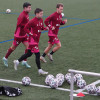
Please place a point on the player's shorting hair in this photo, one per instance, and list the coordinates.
(37, 10)
(59, 5)
(26, 4)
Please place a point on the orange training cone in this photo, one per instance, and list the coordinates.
(80, 94)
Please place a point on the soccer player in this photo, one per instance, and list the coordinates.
(20, 35)
(53, 22)
(33, 28)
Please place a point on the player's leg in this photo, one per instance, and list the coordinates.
(58, 46)
(26, 44)
(42, 58)
(9, 51)
(37, 59)
(24, 62)
(47, 49)
(25, 56)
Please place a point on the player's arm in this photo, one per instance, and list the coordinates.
(48, 20)
(63, 22)
(44, 28)
(27, 27)
(19, 21)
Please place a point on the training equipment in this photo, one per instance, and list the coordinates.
(26, 81)
(98, 90)
(60, 76)
(91, 89)
(8, 11)
(79, 72)
(81, 83)
(48, 79)
(62, 14)
(78, 77)
(60, 81)
(68, 78)
(80, 95)
(53, 83)
(10, 91)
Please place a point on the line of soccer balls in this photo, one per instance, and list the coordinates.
(60, 78)
(55, 82)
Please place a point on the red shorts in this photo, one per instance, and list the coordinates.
(53, 40)
(34, 48)
(17, 41)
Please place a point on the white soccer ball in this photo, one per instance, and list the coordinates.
(91, 89)
(62, 14)
(81, 83)
(98, 90)
(60, 81)
(8, 11)
(68, 78)
(48, 79)
(78, 77)
(60, 76)
(26, 81)
(53, 83)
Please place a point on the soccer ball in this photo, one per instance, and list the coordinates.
(78, 77)
(81, 83)
(62, 14)
(8, 11)
(48, 79)
(26, 81)
(98, 90)
(60, 76)
(53, 83)
(60, 81)
(91, 89)
(68, 78)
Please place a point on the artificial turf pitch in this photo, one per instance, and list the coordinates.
(80, 39)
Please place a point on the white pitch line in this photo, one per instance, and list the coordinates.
(38, 85)
(94, 83)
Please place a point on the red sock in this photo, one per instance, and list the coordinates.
(25, 53)
(8, 53)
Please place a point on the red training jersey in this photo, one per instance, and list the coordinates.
(35, 26)
(22, 20)
(55, 20)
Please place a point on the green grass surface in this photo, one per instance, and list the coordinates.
(80, 47)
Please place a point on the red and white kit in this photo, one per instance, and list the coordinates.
(34, 28)
(20, 35)
(54, 20)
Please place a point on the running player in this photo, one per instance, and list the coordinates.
(33, 28)
(20, 35)
(53, 22)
